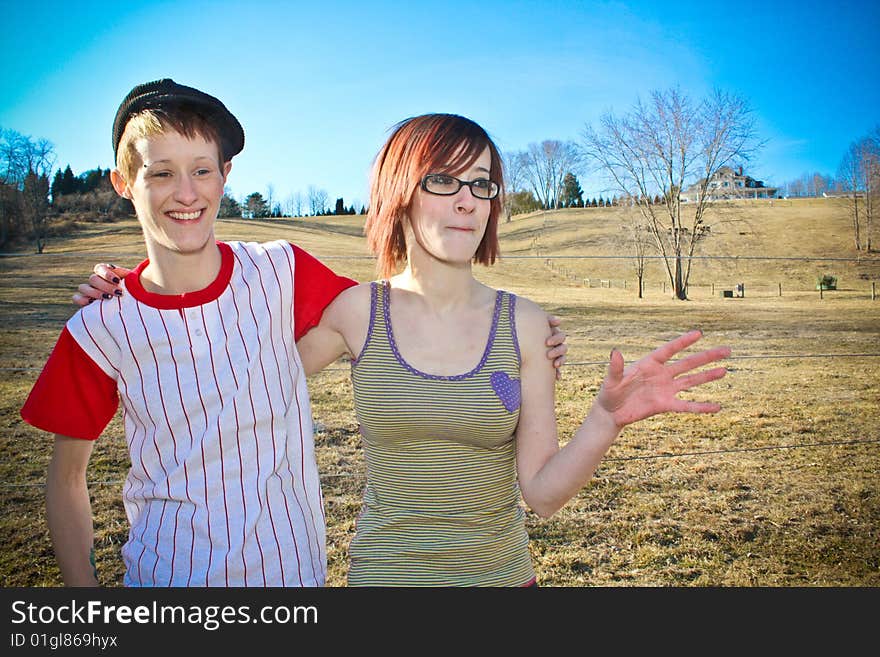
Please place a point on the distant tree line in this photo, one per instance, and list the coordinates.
(257, 206)
(32, 208)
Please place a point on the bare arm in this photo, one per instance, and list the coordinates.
(550, 476)
(342, 330)
(69, 511)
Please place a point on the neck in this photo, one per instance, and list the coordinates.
(171, 272)
(441, 285)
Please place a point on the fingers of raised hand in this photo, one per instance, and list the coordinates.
(615, 368)
(694, 361)
(682, 342)
(698, 379)
(554, 321)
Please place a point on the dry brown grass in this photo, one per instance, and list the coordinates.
(779, 489)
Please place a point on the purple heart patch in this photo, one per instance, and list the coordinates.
(507, 389)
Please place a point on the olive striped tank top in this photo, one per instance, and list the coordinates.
(441, 505)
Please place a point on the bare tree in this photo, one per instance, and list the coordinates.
(849, 173)
(515, 173)
(859, 176)
(270, 197)
(872, 189)
(35, 193)
(543, 167)
(657, 149)
(317, 200)
(25, 167)
(639, 237)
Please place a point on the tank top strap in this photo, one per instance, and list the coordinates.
(378, 302)
(376, 328)
(505, 332)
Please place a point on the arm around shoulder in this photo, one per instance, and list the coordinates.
(342, 330)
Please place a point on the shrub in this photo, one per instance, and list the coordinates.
(826, 282)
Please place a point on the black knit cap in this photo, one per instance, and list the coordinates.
(166, 93)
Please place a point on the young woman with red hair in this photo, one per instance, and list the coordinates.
(457, 425)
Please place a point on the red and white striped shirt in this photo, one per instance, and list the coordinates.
(223, 488)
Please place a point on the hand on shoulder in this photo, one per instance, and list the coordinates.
(532, 328)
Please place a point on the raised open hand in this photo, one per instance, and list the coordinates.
(650, 386)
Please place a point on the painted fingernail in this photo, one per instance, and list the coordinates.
(105, 295)
(115, 279)
(112, 266)
(118, 293)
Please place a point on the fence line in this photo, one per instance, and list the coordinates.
(594, 362)
(360, 475)
(80, 254)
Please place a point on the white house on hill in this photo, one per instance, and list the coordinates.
(728, 184)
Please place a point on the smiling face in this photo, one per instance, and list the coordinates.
(450, 228)
(176, 191)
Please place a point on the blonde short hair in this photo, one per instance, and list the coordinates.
(152, 122)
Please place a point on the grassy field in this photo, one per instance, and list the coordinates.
(779, 489)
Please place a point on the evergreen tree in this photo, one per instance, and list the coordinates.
(90, 180)
(57, 184)
(571, 191)
(229, 207)
(256, 204)
(601, 202)
(70, 183)
(340, 207)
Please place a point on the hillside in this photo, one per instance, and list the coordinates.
(795, 228)
(791, 234)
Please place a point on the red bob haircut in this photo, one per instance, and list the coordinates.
(431, 143)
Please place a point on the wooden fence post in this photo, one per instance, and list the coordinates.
(873, 291)
(780, 289)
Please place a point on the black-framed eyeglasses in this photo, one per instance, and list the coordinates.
(446, 185)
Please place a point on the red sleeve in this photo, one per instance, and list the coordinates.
(72, 396)
(314, 287)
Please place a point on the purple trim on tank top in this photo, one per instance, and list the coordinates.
(511, 307)
(386, 309)
(374, 286)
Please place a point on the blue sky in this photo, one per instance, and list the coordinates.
(317, 85)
